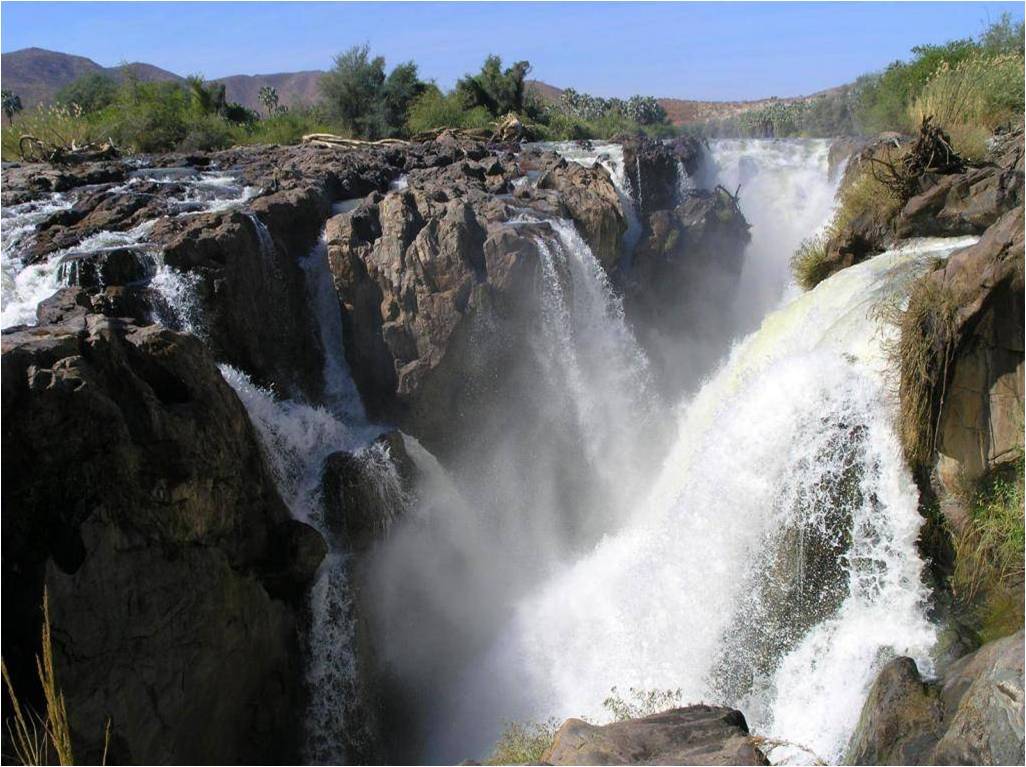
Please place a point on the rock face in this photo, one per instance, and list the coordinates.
(980, 420)
(973, 715)
(685, 267)
(692, 735)
(439, 292)
(137, 492)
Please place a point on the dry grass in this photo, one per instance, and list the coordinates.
(41, 739)
(809, 264)
(922, 357)
(971, 99)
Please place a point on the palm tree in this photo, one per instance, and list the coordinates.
(11, 105)
(269, 98)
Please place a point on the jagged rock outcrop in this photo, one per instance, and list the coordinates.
(686, 264)
(972, 715)
(691, 735)
(439, 291)
(136, 491)
(653, 169)
(592, 202)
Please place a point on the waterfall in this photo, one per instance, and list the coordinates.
(786, 196)
(684, 183)
(792, 435)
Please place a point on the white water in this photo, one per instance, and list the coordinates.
(24, 286)
(799, 403)
(786, 196)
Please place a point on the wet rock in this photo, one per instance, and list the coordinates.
(651, 168)
(687, 260)
(972, 715)
(30, 180)
(136, 490)
(901, 718)
(366, 491)
(90, 269)
(691, 735)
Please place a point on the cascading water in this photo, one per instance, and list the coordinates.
(785, 460)
(787, 194)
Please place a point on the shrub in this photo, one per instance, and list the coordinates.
(207, 133)
(433, 110)
(640, 703)
(59, 125)
(498, 91)
(809, 263)
(90, 93)
(524, 743)
(286, 128)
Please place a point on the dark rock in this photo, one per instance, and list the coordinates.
(900, 721)
(651, 168)
(137, 491)
(366, 491)
(257, 313)
(691, 735)
(972, 715)
(97, 268)
(688, 260)
(980, 423)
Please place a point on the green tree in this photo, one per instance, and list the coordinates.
(402, 88)
(352, 91)
(207, 99)
(269, 98)
(91, 92)
(497, 90)
(11, 105)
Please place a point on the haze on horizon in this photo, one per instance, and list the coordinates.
(701, 50)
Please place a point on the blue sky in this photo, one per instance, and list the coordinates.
(686, 50)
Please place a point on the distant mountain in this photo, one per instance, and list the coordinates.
(36, 75)
(293, 88)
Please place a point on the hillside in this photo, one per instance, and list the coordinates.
(37, 74)
(685, 111)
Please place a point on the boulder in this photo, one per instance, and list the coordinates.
(137, 492)
(366, 491)
(901, 718)
(972, 715)
(691, 735)
(651, 168)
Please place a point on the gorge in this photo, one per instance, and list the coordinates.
(357, 455)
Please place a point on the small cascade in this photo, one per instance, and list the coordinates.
(24, 285)
(685, 184)
(637, 174)
(610, 157)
